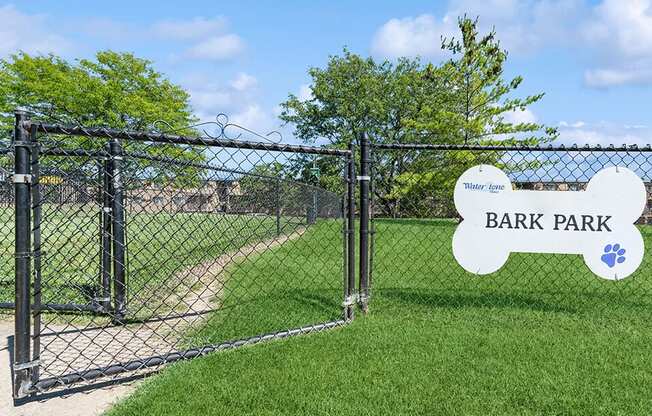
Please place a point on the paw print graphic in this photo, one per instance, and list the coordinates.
(613, 254)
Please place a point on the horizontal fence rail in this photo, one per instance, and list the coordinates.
(175, 139)
(519, 147)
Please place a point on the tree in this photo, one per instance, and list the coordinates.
(474, 111)
(477, 96)
(269, 187)
(464, 100)
(260, 188)
(354, 95)
(116, 90)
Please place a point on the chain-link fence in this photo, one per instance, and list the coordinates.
(138, 249)
(6, 227)
(130, 250)
(414, 219)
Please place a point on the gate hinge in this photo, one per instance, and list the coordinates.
(350, 300)
(21, 178)
(363, 299)
(23, 143)
(27, 254)
(29, 364)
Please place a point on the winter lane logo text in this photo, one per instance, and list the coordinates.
(490, 187)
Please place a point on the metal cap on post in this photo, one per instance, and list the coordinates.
(364, 222)
(23, 255)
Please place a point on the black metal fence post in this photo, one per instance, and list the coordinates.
(364, 222)
(106, 235)
(36, 233)
(118, 234)
(350, 229)
(23, 245)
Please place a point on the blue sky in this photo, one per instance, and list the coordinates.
(593, 59)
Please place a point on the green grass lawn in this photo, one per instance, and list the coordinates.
(159, 246)
(541, 336)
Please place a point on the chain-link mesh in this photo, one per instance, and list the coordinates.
(6, 227)
(415, 218)
(150, 248)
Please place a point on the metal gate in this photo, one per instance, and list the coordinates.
(137, 249)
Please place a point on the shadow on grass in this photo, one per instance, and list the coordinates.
(316, 302)
(460, 300)
(433, 222)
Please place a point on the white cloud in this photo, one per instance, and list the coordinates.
(624, 26)
(615, 76)
(305, 93)
(603, 134)
(522, 26)
(419, 36)
(520, 116)
(217, 48)
(244, 82)
(208, 102)
(615, 36)
(210, 38)
(189, 29)
(209, 98)
(28, 33)
(254, 118)
(620, 31)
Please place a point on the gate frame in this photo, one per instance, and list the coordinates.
(26, 381)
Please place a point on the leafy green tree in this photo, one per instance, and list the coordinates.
(464, 100)
(116, 90)
(472, 111)
(354, 95)
(268, 187)
(477, 98)
(260, 188)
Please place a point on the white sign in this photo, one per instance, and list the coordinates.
(597, 222)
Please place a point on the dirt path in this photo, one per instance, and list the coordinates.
(66, 349)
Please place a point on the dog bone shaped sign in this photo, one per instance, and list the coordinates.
(597, 222)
